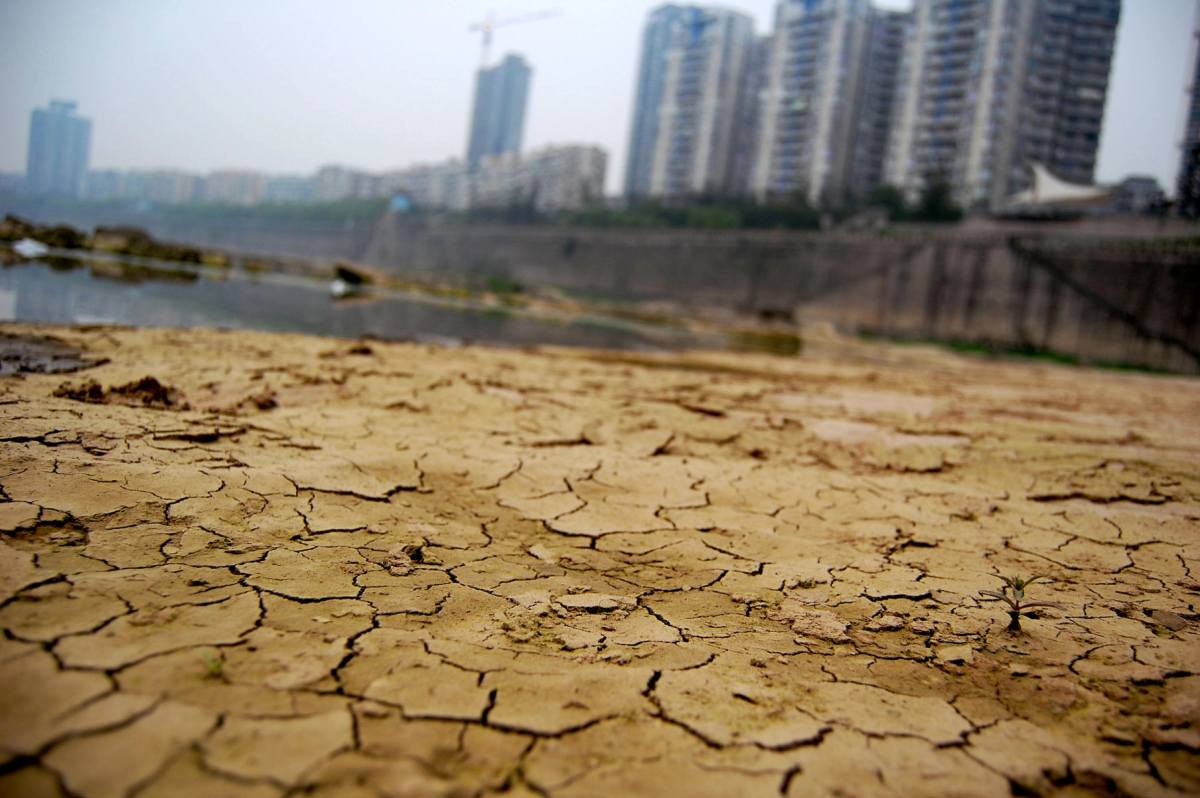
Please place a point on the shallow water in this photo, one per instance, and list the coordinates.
(111, 292)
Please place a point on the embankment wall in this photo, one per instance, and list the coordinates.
(1109, 299)
(1109, 294)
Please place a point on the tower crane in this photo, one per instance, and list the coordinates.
(489, 25)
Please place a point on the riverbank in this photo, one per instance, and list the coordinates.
(294, 295)
(240, 564)
(1102, 291)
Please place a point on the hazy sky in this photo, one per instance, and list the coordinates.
(289, 85)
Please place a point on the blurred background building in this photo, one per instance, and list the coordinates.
(1139, 194)
(496, 173)
(843, 98)
(838, 101)
(810, 99)
(547, 179)
(444, 185)
(689, 102)
(873, 124)
(1187, 189)
(648, 96)
(990, 87)
(498, 115)
(59, 147)
(234, 187)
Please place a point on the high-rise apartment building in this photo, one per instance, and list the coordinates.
(59, 147)
(690, 94)
(875, 115)
(648, 96)
(1187, 187)
(811, 100)
(498, 118)
(751, 112)
(989, 87)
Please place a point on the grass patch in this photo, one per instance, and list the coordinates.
(772, 342)
(1020, 351)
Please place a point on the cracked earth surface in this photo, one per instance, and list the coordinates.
(295, 565)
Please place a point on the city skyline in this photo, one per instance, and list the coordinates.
(355, 127)
(842, 98)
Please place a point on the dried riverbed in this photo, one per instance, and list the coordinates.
(245, 564)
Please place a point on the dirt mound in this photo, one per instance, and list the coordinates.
(146, 392)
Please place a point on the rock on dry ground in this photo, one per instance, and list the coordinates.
(334, 568)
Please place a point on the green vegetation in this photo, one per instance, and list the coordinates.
(1023, 351)
(514, 213)
(343, 210)
(1013, 594)
(351, 209)
(126, 272)
(935, 205)
(1027, 351)
(214, 666)
(700, 214)
(502, 285)
(775, 342)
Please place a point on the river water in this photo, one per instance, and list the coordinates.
(110, 292)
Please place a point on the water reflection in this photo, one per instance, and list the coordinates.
(105, 294)
(8, 304)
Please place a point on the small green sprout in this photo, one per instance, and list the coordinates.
(214, 665)
(1013, 594)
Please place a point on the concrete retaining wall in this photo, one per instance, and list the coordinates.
(1132, 300)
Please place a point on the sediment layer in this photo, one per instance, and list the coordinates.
(289, 565)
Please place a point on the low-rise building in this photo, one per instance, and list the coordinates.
(1138, 194)
(162, 186)
(170, 187)
(281, 189)
(11, 182)
(548, 179)
(234, 187)
(443, 185)
(104, 184)
(336, 183)
(555, 178)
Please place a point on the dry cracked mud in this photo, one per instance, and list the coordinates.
(337, 568)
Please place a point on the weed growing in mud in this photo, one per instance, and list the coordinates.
(214, 665)
(1013, 594)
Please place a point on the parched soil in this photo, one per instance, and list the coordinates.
(336, 568)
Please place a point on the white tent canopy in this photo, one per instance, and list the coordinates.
(1050, 190)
